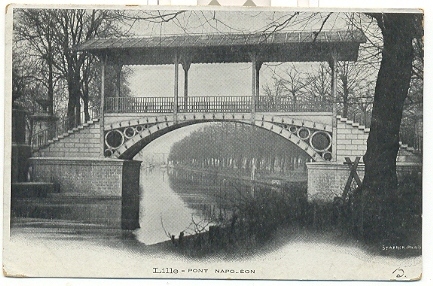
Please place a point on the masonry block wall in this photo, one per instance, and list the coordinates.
(327, 180)
(80, 143)
(351, 139)
(113, 183)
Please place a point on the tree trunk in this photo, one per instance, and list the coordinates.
(86, 109)
(71, 109)
(377, 195)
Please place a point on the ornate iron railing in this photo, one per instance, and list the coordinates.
(139, 104)
(215, 104)
(41, 138)
(268, 104)
(210, 104)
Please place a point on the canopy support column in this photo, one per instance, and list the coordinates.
(186, 64)
(176, 85)
(118, 79)
(102, 106)
(255, 68)
(118, 70)
(257, 94)
(333, 64)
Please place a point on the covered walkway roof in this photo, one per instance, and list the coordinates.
(229, 48)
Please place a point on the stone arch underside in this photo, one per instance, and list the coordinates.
(136, 134)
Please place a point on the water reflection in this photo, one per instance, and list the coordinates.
(176, 200)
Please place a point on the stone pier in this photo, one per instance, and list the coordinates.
(326, 180)
(100, 191)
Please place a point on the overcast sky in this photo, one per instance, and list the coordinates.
(218, 79)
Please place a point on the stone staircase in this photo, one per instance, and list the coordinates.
(406, 153)
(66, 134)
(353, 124)
(82, 141)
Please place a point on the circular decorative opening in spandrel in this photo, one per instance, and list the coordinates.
(327, 156)
(304, 133)
(108, 153)
(320, 141)
(114, 139)
(129, 132)
(293, 129)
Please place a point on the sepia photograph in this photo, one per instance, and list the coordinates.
(213, 143)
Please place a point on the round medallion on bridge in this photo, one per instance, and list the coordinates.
(129, 132)
(108, 153)
(327, 156)
(114, 139)
(320, 141)
(293, 129)
(304, 133)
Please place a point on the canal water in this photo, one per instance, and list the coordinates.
(172, 200)
(176, 200)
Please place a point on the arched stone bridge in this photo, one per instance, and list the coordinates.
(124, 139)
(78, 159)
(126, 134)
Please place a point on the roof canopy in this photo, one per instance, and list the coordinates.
(229, 48)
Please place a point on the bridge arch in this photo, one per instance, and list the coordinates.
(123, 140)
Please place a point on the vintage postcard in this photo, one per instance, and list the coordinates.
(213, 143)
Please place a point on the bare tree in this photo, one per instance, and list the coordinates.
(51, 34)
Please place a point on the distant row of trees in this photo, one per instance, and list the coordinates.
(238, 146)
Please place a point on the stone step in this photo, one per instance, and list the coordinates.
(67, 133)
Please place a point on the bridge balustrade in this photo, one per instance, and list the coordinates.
(231, 104)
(272, 104)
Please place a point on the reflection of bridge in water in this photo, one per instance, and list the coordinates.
(128, 124)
